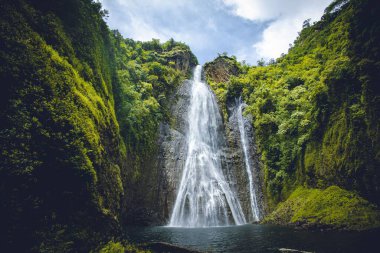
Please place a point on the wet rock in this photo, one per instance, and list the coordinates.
(172, 151)
(235, 160)
(151, 197)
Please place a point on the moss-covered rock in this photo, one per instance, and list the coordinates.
(220, 74)
(315, 110)
(332, 208)
(60, 159)
(119, 247)
(221, 69)
(80, 110)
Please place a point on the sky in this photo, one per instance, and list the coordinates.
(248, 29)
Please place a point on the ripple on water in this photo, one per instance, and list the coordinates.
(257, 238)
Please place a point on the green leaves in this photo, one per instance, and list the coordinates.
(59, 134)
(147, 75)
(315, 98)
(332, 208)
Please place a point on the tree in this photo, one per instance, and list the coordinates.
(306, 23)
(261, 62)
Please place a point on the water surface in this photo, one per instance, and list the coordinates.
(257, 238)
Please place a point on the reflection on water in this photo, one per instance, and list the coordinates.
(257, 238)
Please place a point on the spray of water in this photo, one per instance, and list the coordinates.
(244, 142)
(204, 198)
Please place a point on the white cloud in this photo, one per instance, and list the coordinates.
(277, 37)
(250, 29)
(140, 30)
(211, 25)
(187, 21)
(285, 20)
(131, 18)
(257, 10)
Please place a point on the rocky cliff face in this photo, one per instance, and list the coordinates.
(218, 72)
(236, 160)
(148, 121)
(153, 196)
(184, 60)
(221, 69)
(173, 150)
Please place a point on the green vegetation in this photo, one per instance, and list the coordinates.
(330, 208)
(118, 247)
(60, 159)
(148, 73)
(68, 83)
(219, 73)
(315, 110)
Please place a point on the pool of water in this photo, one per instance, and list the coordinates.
(257, 238)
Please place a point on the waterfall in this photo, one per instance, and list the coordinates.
(204, 197)
(247, 160)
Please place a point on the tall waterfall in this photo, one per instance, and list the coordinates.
(204, 198)
(244, 143)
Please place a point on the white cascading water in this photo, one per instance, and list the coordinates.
(204, 198)
(244, 143)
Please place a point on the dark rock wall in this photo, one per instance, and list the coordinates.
(151, 197)
(173, 150)
(236, 160)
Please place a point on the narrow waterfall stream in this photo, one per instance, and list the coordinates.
(204, 198)
(247, 159)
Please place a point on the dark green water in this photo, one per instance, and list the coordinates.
(257, 238)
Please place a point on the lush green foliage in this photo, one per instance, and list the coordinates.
(330, 208)
(64, 166)
(219, 73)
(118, 247)
(148, 73)
(60, 158)
(316, 109)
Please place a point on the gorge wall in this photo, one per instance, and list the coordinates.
(167, 163)
(313, 118)
(80, 114)
(236, 161)
(62, 156)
